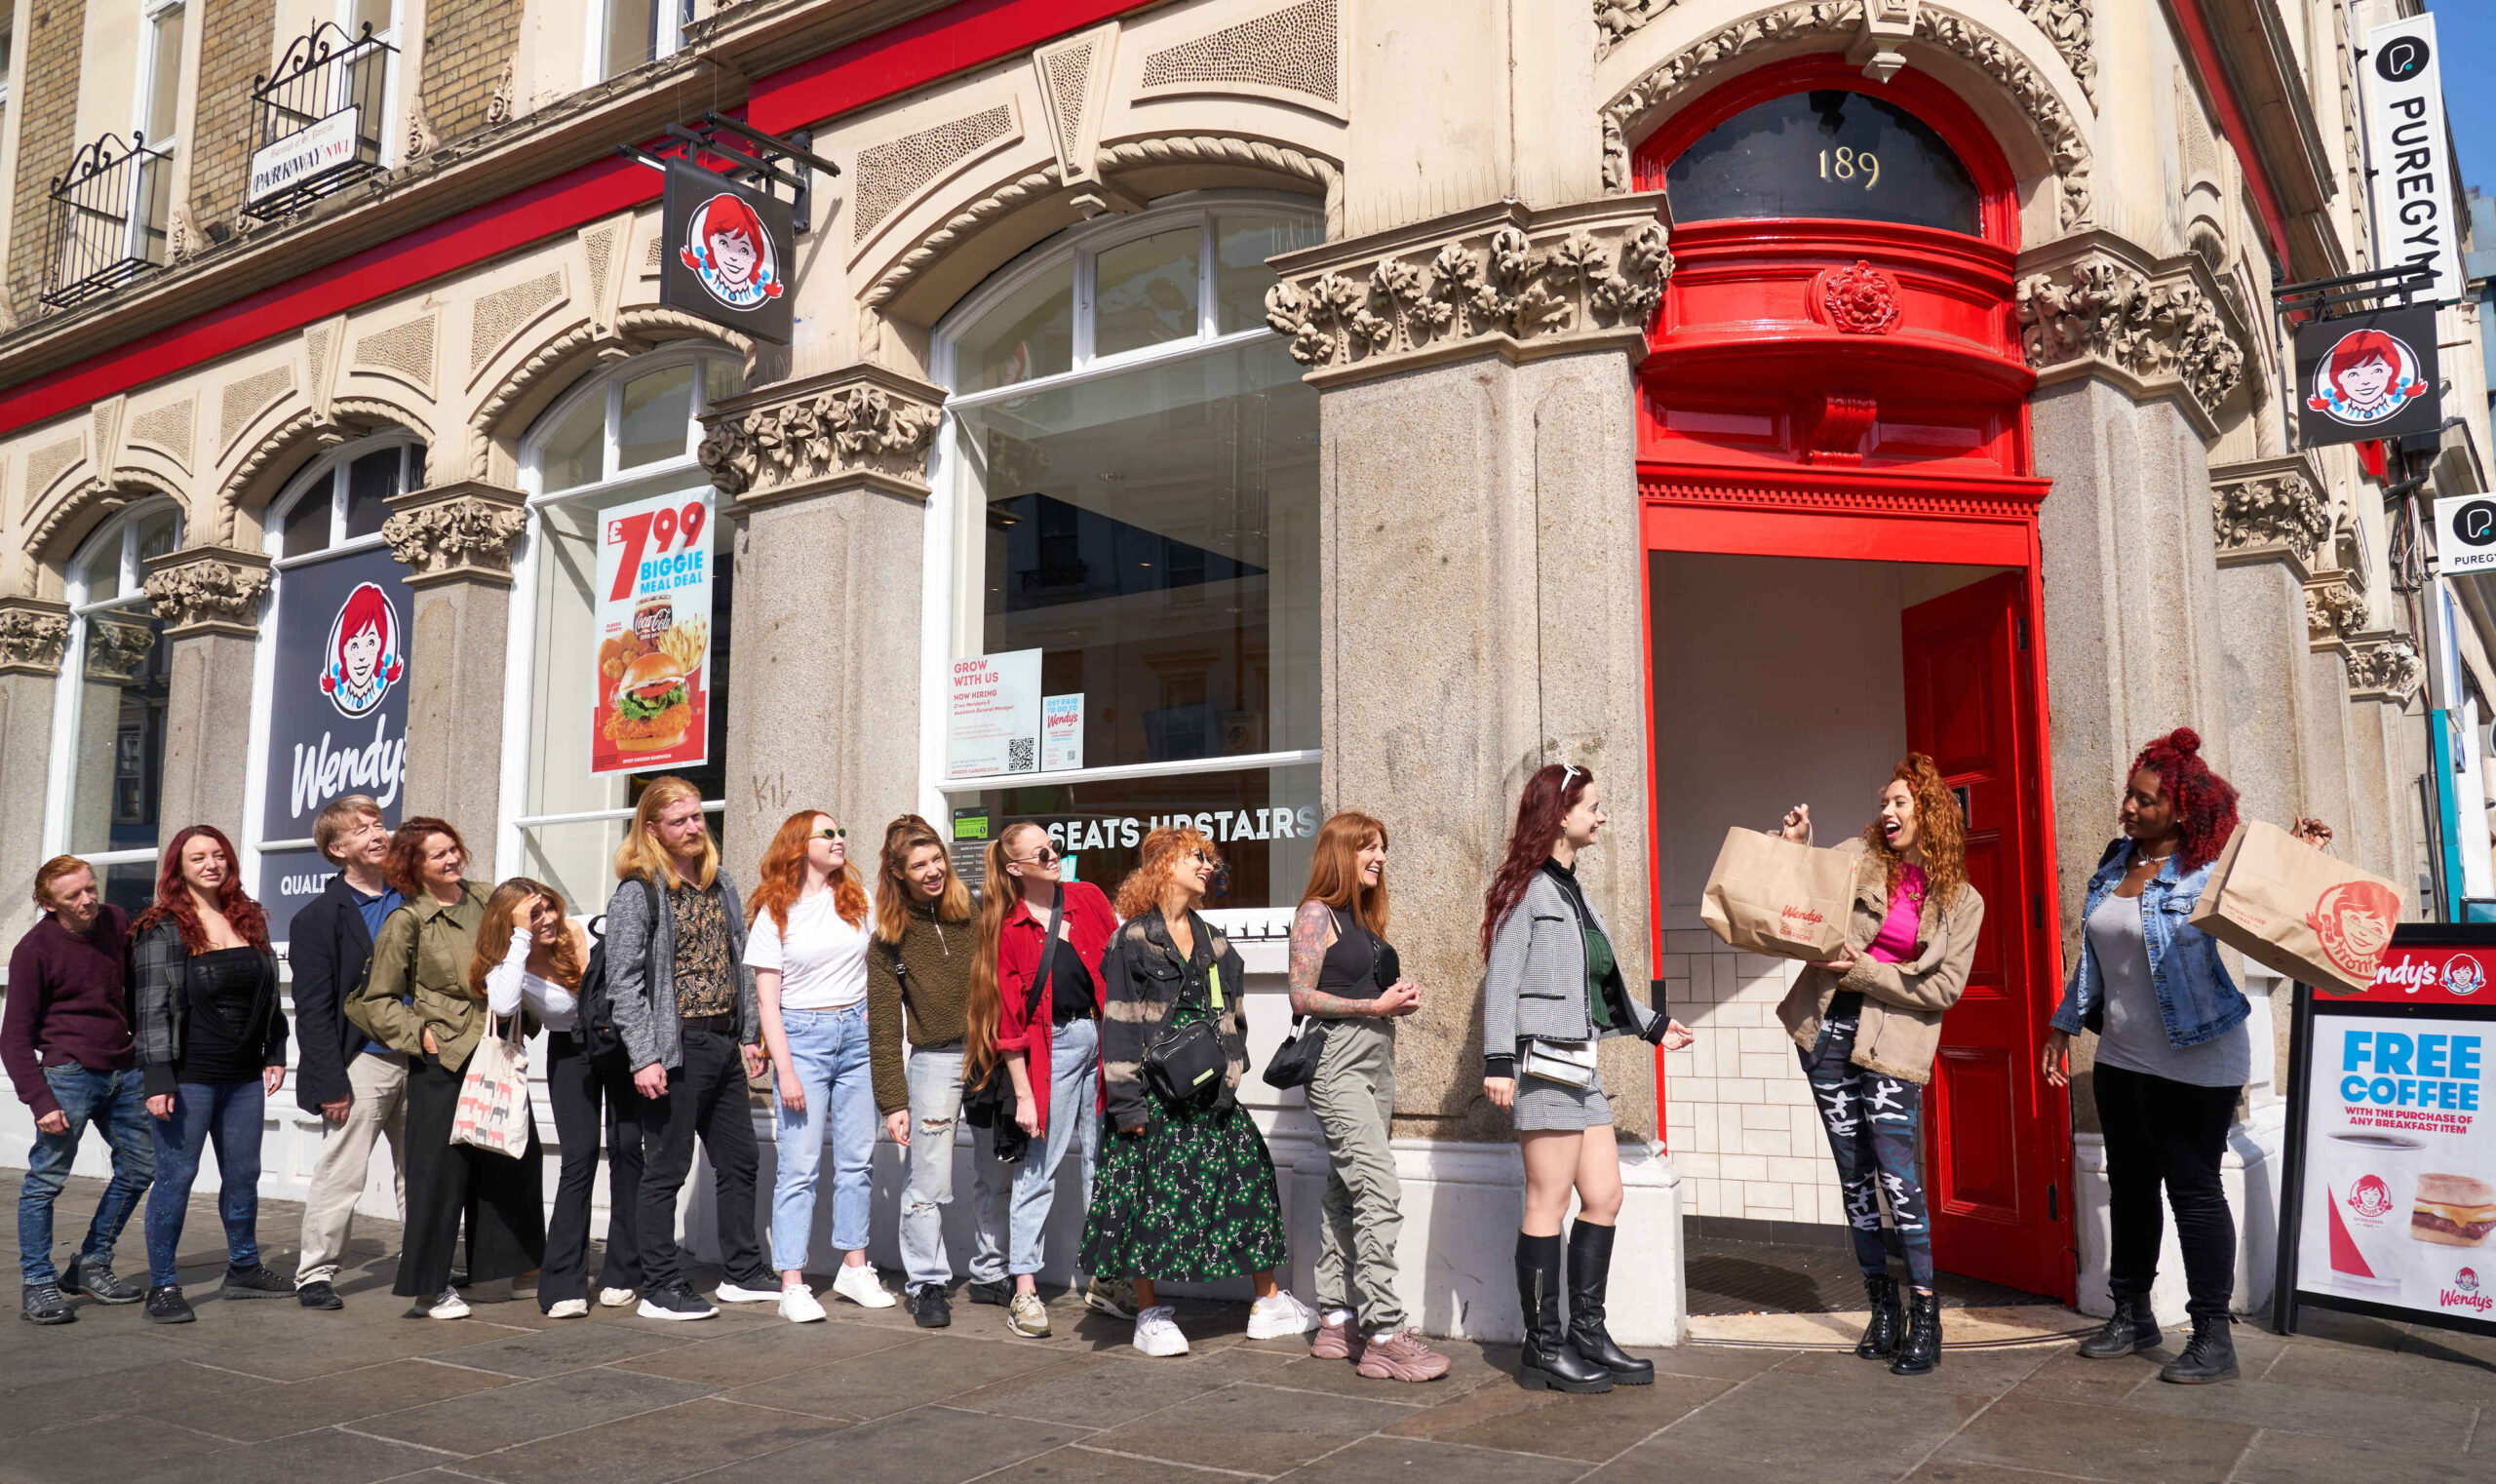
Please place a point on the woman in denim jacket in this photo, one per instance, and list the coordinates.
(2172, 1051)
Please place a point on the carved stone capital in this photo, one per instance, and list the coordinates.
(459, 531)
(2335, 609)
(2095, 305)
(1499, 280)
(2384, 666)
(31, 635)
(208, 590)
(864, 426)
(2269, 509)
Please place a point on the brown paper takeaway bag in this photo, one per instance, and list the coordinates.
(1768, 895)
(2296, 911)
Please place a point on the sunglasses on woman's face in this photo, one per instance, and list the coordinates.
(1044, 857)
(834, 833)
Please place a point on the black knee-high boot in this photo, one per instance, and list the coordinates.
(1589, 1273)
(1549, 1361)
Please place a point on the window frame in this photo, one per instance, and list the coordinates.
(135, 229)
(391, 118)
(69, 692)
(944, 615)
(520, 673)
(667, 42)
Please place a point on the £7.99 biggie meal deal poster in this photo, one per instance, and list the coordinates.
(2392, 1150)
(653, 686)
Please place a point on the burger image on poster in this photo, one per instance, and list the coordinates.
(2453, 1211)
(653, 705)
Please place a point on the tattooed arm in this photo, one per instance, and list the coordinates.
(1312, 932)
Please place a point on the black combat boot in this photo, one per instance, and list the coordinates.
(2128, 1331)
(1879, 1338)
(1589, 1273)
(1920, 1351)
(2209, 1355)
(1548, 1361)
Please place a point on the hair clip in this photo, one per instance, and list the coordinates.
(1568, 773)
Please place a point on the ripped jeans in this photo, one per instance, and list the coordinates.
(935, 1075)
(1872, 1120)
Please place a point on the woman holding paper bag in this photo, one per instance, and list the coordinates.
(2172, 1053)
(1551, 991)
(1868, 1023)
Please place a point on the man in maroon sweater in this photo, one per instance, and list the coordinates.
(65, 1040)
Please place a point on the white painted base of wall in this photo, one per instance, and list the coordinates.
(2250, 1175)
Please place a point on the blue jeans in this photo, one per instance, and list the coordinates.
(229, 1113)
(1075, 1119)
(829, 1050)
(116, 1103)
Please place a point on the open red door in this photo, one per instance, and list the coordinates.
(1995, 1144)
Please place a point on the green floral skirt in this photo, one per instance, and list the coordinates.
(1190, 1200)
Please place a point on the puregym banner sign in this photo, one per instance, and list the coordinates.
(2408, 154)
(2392, 1156)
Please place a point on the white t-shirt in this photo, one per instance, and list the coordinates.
(821, 958)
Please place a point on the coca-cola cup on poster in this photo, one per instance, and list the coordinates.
(2370, 1181)
(652, 690)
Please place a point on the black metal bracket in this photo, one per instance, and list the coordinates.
(2334, 297)
(751, 158)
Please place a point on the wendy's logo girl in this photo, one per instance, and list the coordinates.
(731, 253)
(2368, 376)
(363, 659)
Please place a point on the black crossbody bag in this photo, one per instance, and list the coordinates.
(1185, 1064)
(990, 1103)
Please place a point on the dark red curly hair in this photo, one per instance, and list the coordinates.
(2204, 802)
(174, 897)
(1545, 801)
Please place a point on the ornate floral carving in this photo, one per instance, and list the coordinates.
(863, 424)
(1861, 300)
(2067, 25)
(2155, 328)
(1496, 274)
(498, 108)
(1617, 20)
(208, 589)
(2272, 505)
(421, 139)
(2385, 667)
(31, 636)
(2053, 124)
(117, 648)
(2335, 609)
(461, 530)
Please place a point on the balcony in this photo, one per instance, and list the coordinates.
(316, 121)
(107, 219)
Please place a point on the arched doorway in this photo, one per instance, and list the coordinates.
(1840, 520)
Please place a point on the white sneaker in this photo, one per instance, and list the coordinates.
(1282, 1314)
(1157, 1332)
(568, 1309)
(617, 1298)
(860, 1286)
(735, 1293)
(799, 1305)
(450, 1306)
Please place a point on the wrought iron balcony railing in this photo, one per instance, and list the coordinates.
(316, 121)
(107, 219)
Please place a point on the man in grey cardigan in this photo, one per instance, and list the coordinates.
(685, 1009)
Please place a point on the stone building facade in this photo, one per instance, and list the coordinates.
(1358, 402)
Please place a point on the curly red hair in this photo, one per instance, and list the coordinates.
(174, 897)
(2204, 802)
(1940, 828)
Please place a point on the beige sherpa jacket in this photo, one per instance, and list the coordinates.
(1900, 1028)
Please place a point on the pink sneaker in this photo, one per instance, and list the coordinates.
(1334, 1340)
(1401, 1356)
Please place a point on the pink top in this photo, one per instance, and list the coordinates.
(1896, 941)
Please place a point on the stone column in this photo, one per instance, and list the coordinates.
(455, 541)
(32, 634)
(1478, 467)
(2385, 675)
(827, 478)
(209, 598)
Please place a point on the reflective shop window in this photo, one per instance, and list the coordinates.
(623, 442)
(1146, 518)
(115, 678)
(333, 664)
(1827, 153)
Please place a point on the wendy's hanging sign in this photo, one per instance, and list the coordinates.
(725, 254)
(2367, 376)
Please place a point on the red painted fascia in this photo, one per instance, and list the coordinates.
(2232, 119)
(867, 71)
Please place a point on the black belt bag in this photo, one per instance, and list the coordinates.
(1186, 1064)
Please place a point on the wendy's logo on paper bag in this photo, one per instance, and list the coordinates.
(1803, 914)
(730, 253)
(2463, 976)
(2369, 1196)
(2367, 377)
(362, 658)
(2354, 922)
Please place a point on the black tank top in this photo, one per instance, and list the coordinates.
(1070, 995)
(1359, 964)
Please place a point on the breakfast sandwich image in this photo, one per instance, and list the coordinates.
(2453, 1211)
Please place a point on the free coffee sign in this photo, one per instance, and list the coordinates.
(2392, 1157)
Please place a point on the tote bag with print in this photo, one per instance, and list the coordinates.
(494, 1095)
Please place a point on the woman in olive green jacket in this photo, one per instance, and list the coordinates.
(417, 1001)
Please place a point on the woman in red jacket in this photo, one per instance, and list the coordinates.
(1046, 1025)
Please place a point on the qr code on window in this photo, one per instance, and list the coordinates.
(1018, 753)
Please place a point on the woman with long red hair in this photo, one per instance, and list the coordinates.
(2173, 1053)
(1552, 989)
(1867, 1024)
(211, 1051)
(807, 934)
